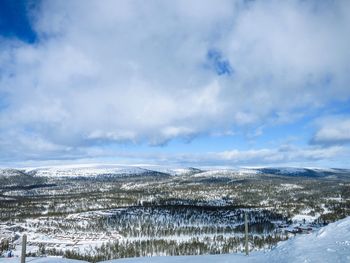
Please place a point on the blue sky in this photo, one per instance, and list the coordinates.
(213, 83)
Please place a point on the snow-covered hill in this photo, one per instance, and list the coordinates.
(329, 244)
(295, 171)
(90, 170)
(85, 171)
(115, 170)
(7, 172)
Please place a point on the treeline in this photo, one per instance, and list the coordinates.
(163, 247)
(160, 222)
(184, 220)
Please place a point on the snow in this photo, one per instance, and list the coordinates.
(7, 172)
(41, 260)
(191, 259)
(215, 173)
(140, 169)
(329, 244)
(291, 170)
(86, 171)
(305, 215)
(104, 169)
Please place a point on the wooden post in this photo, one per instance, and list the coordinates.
(246, 233)
(6, 245)
(24, 246)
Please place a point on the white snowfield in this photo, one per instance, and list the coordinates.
(329, 244)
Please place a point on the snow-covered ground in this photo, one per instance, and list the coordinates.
(41, 260)
(329, 244)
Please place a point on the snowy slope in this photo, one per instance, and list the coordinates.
(7, 172)
(217, 173)
(96, 170)
(91, 170)
(308, 172)
(85, 171)
(329, 244)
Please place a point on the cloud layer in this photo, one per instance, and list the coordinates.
(107, 72)
(333, 130)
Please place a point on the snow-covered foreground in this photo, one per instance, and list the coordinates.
(329, 244)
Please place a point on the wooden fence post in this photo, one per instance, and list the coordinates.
(24, 246)
(246, 233)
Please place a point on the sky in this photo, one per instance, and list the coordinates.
(186, 83)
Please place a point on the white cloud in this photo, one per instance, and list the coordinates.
(286, 154)
(128, 70)
(333, 130)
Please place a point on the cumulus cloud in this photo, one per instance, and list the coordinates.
(116, 71)
(333, 131)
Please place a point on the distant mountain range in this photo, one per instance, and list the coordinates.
(122, 170)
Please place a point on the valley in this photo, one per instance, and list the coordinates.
(101, 213)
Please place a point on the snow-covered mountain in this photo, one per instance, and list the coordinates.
(112, 170)
(7, 172)
(90, 170)
(85, 171)
(293, 171)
